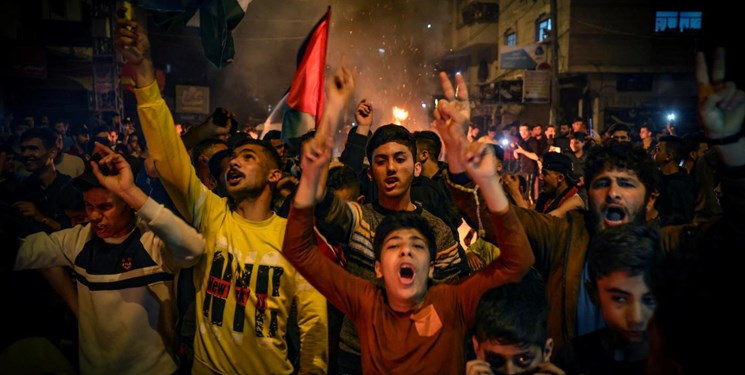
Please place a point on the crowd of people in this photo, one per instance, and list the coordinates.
(211, 251)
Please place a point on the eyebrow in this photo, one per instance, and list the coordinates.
(244, 151)
(618, 290)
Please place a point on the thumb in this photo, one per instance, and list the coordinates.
(96, 171)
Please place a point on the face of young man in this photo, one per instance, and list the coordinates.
(575, 144)
(405, 267)
(109, 216)
(512, 359)
(660, 155)
(35, 155)
(524, 132)
(249, 171)
(644, 133)
(616, 196)
(551, 180)
(392, 170)
(620, 136)
(627, 305)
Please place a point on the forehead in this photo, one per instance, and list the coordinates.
(33, 142)
(390, 148)
(508, 351)
(612, 172)
(404, 233)
(99, 195)
(623, 281)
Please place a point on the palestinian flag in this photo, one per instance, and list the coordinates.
(217, 20)
(305, 100)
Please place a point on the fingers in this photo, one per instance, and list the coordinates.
(447, 86)
(718, 68)
(101, 149)
(462, 89)
(702, 74)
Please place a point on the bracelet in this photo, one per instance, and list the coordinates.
(730, 139)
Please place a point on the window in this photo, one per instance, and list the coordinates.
(510, 38)
(542, 28)
(673, 21)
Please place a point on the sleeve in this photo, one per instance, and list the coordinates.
(354, 151)
(515, 260)
(450, 261)
(42, 250)
(183, 243)
(344, 290)
(313, 323)
(172, 161)
(334, 218)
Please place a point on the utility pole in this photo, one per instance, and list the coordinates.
(107, 92)
(555, 99)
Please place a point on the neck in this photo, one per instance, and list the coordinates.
(646, 142)
(669, 168)
(47, 175)
(429, 168)
(579, 153)
(397, 204)
(255, 208)
(405, 305)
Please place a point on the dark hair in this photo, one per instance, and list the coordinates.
(268, 149)
(391, 133)
(343, 177)
(100, 129)
(514, 314)
(430, 141)
(48, 136)
(622, 155)
(675, 146)
(619, 127)
(404, 220)
(272, 134)
(634, 248)
(203, 146)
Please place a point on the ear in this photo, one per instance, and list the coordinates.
(423, 156)
(203, 159)
(369, 173)
(548, 349)
(431, 272)
(274, 176)
(378, 270)
(361, 199)
(417, 169)
(475, 345)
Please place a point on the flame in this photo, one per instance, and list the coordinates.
(399, 114)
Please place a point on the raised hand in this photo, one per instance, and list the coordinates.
(721, 104)
(451, 119)
(481, 163)
(120, 180)
(339, 89)
(364, 113)
(132, 42)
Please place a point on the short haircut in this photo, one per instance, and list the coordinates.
(675, 146)
(514, 314)
(272, 134)
(391, 133)
(100, 129)
(536, 126)
(633, 248)
(203, 146)
(344, 177)
(48, 136)
(623, 156)
(430, 141)
(619, 127)
(404, 220)
(268, 149)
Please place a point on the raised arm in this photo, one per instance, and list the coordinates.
(166, 148)
(316, 153)
(182, 241)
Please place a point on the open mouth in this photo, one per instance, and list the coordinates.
(614, 215)
(406, 273)
(634, 335)
(234, 177)
(391, 182)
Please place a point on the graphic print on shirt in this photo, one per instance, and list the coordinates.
(218, 289)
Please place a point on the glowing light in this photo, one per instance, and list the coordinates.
(399, 114)
(424, 105)
(429, 25)
(381, 50)
(671, 117)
